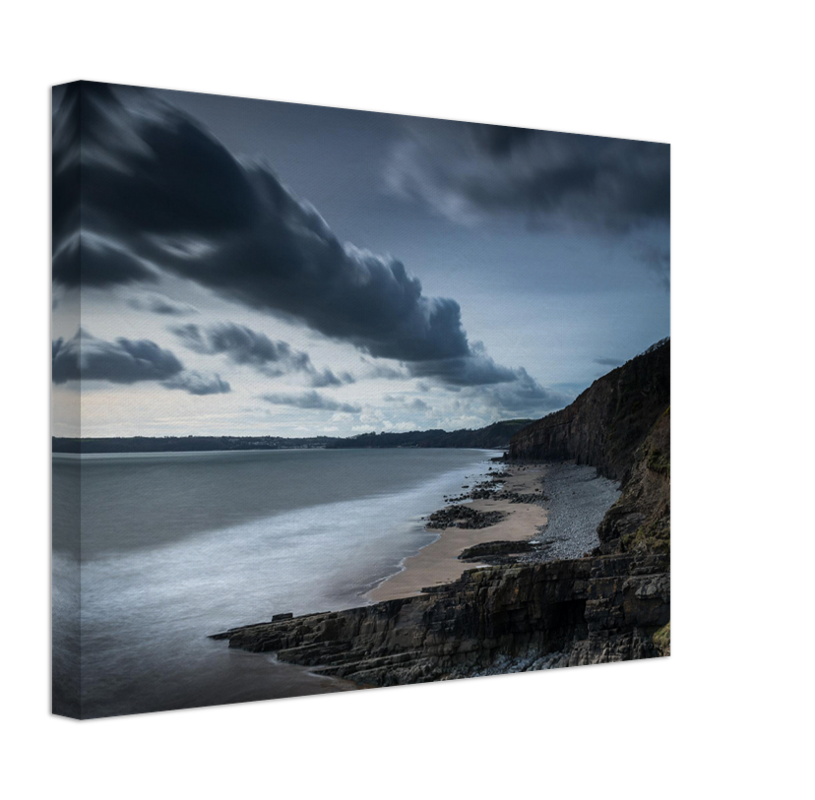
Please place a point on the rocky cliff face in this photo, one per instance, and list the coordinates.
(613, 605)
(640, 520)
(604, 425)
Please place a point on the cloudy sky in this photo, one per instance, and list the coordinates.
(251, 267)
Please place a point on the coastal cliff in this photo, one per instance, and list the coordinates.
(606, 423)
(534, 613)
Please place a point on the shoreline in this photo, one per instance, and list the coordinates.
(533, 502)
(437, 563)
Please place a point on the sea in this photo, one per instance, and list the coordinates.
(171, 547)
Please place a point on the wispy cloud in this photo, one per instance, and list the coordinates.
(160, 304)
(196, 383)
(311, 401)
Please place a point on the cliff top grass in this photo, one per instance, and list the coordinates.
(653, 537)
(662, 640)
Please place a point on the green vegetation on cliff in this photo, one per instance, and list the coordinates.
(662, 640)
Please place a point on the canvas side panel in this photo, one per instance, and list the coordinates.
(65, 403)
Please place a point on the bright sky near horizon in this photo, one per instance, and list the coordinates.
(253, 267)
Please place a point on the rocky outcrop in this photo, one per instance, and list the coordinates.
(458, 516)
(589, 610)
(493, 550)
(450, 630)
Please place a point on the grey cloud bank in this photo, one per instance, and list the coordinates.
(545, 240)
(551, 179)
(159, 192)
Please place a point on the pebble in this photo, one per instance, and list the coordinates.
(577, 500)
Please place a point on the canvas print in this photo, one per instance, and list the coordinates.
(344, 400)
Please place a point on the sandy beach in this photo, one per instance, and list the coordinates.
(438, 562)
(561, 523)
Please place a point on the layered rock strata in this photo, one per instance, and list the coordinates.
(596, 609)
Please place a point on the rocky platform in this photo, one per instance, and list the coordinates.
(589, 610)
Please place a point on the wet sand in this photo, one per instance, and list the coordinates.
(438, 562)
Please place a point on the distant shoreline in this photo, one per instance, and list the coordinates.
(180, 444)
(491, 437)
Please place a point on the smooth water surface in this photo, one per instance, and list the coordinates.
(176, 546)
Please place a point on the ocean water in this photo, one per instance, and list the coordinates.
(176, 546)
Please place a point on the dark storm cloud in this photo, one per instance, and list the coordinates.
(141, 168)
(551, 179)
(65, 173)
(157, 186)
(499, 140)
(90, 261)
(127, 361)
(311, 401)
(474, 370)
(124, 361)
(608, 362)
